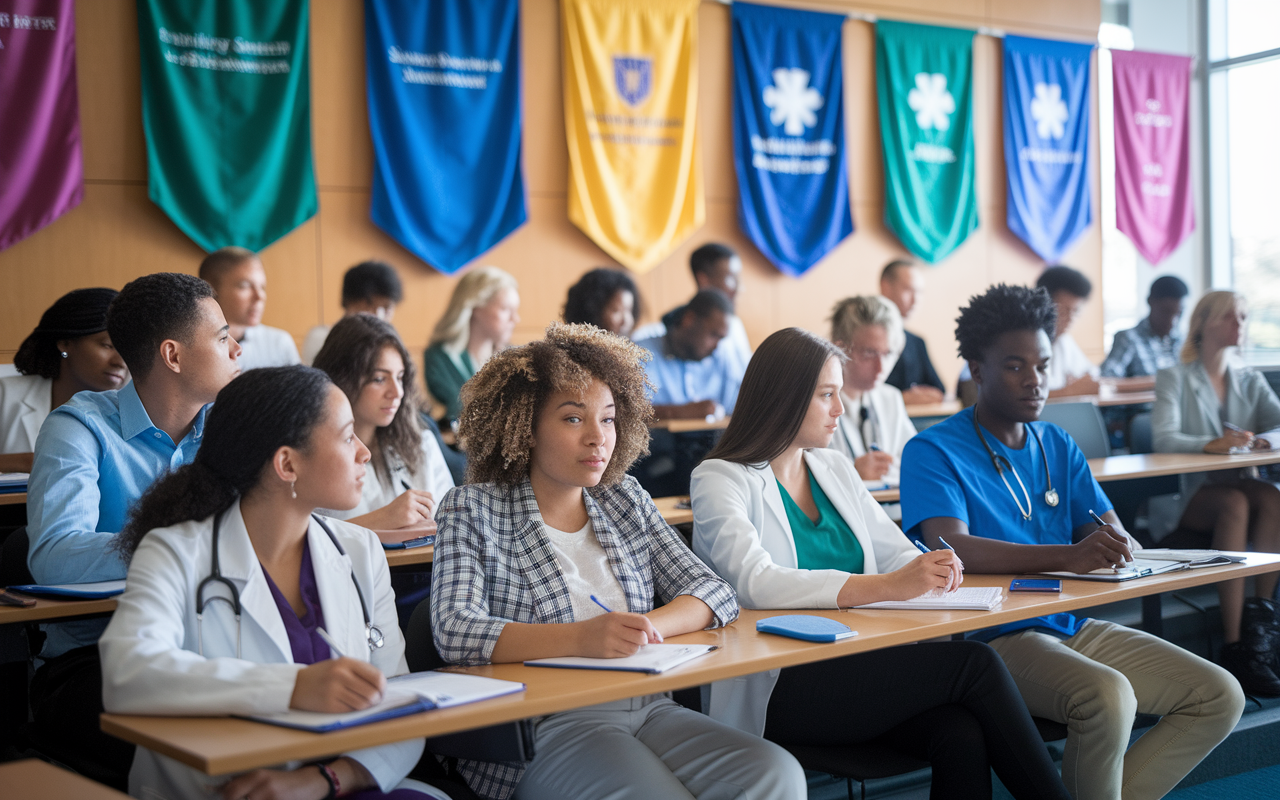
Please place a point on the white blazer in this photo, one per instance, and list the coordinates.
(740, 530)
(25, 400)
(150, 650)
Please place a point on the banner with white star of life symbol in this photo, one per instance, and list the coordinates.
(1046, 142)
(630, 107)
(924, 89)
(788, 133)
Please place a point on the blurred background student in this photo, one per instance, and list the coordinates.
(607, 298)
(902, 283)
(240, 283)
(370, 287)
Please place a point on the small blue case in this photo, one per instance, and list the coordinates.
(806, 627)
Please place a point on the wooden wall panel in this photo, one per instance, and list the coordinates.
(117, 234)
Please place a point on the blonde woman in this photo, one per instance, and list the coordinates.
(1211, 403)
(875, 426)
(482, 314)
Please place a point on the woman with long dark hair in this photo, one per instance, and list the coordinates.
(365, 358)
(789, 524)
(278, 444)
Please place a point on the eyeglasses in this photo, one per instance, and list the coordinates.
(867, 354)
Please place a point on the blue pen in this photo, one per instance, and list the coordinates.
(944, 544)
(926, 551)
(596, 600)
(918, 544)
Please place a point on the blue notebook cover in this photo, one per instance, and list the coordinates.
(74, 591)
(806, 627)
(415, 707)
(421, 541)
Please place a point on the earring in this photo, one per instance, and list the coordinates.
(292, 491)
(63, 353)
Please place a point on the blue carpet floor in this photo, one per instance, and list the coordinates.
(1260, 783)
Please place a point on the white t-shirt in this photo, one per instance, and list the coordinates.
(1068, 363)
(314, 341)
(887, 426)
(433, 477)
(264, 346)
(585, 568)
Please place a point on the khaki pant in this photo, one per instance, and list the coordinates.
(1097, 681)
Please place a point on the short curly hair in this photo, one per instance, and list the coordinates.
(501, 402)
(1001, 309)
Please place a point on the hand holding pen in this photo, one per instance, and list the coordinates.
(616, 634)
(953, 564)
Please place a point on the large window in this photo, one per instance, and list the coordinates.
(1244, 125)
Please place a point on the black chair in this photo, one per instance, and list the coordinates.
(13, 559)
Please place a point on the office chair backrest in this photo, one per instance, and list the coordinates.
(1083, 423)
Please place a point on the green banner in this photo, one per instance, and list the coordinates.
(924, 82)
(226, 106)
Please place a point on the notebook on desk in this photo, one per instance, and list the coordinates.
(13, 482)
(972, 598)
(652, 659)
(405, 695)
(73, 591)
(1194, 559)
(1138, 568)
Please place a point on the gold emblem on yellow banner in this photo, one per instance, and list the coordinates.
(631, 100)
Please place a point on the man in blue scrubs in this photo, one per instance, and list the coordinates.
(1032, 514)
(95, 456)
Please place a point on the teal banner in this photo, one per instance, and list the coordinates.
(226, 108)
(924, 83)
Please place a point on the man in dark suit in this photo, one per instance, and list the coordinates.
(902, 282)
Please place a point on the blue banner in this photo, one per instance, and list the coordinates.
(788, 133)
(1046, 142)
(444, 113)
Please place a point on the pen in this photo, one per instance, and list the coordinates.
(1232, 427)
(596, 600)
(1098, 520)
(337, 651)
(918, 544)
(405, 484)
(875, 448)
(926, 551)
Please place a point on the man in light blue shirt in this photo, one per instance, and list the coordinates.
(95, 456)
(692, 376)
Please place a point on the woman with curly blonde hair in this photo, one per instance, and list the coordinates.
(548, 535)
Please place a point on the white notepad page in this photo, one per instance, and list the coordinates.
(981, 598)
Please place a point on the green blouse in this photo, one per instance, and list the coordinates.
(445, 375)
(828, 543)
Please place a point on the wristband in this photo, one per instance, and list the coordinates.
(335, 786)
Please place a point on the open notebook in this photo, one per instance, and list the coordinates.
(1137, 568)
(406, 694)
(652, 658)
(13, 482)
(979, 598)
(1194, 559)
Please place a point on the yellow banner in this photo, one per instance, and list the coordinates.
(631, 101)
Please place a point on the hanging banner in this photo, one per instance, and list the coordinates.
(41, 169)
(444, 114)
(924, 85)
(788, 133)
(1154, 204)
(1046, 142)
(631, 101)
(226, 108)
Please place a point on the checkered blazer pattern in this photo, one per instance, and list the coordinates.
(494, 565)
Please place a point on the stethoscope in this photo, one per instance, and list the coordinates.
(1050, 495)
(372, 632)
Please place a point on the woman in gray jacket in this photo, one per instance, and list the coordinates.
(1212, 404)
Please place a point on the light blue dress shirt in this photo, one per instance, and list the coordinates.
(677, 381)
(95, 456)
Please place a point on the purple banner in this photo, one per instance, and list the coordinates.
(41, 170)
(1154, 204)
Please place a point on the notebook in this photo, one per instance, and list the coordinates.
(1138, 568)
(13, 482)
(421, 541)
(981, 598)
(1194, 559)
(806, 627)
(73, 591)
(651, 659)
(406, 694)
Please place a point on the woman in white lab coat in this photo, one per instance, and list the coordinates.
(789, 524)
(278, 444)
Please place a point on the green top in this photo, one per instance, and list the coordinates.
(828, 543)
(445, 375)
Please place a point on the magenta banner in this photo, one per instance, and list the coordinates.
(1154, 204)
(41, 170)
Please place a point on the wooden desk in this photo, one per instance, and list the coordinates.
(1151, 465)
(13, 499)
(32, 779)
(412, 555)
(1108, 399)
(674, 516)
(50, 610)
(886, 495)
(690, 425)
(220, 745)
(944, 409)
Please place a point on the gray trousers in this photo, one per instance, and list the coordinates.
(651, 747)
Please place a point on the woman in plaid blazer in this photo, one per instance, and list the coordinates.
(548, 522)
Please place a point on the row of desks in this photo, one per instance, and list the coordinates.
(218, 746)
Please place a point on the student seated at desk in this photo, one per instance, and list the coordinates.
(1196, 402)
(366, 359)
(607, 298)
(240, 283)
(1154, 343)
(875, 426)
(691, 376)
(483, 313)
(912, 372)
(1071, 373)
(789, 524)
(1011, 495)
(549, 523)
(278, 444)
(69, 351)
(370, 287)
(95, 456)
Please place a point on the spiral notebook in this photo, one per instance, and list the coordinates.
(980, 598)
(652, 659)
